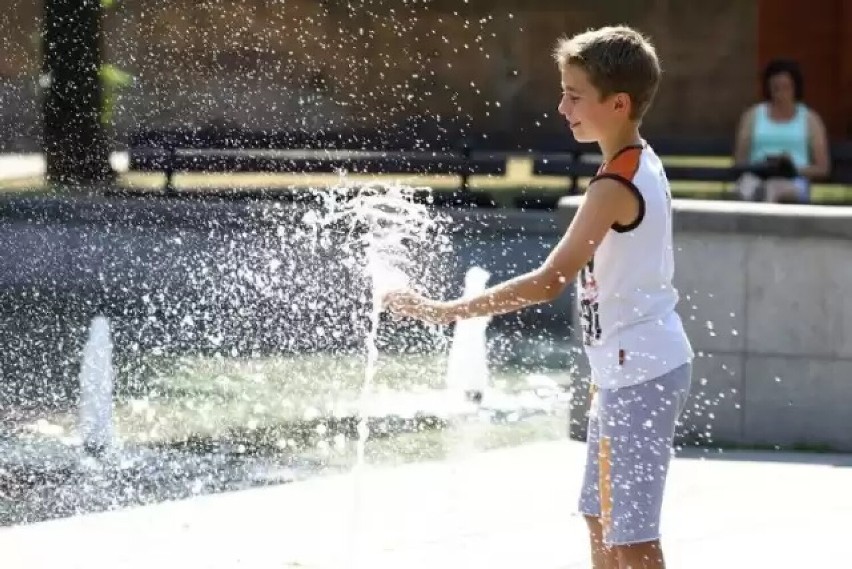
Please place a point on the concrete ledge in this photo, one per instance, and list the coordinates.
(831, 222)
(510, 223)
(147, 211)
(195, 212)
(762, 295)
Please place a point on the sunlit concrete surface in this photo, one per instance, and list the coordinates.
(504, 508)
(13, 166)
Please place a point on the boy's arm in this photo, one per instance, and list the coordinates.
(606, 202)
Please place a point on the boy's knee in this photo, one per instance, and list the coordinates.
(594, 522)
(595, 528)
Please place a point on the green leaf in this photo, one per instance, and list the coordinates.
(112, 76)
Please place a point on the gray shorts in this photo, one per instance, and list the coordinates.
(630, 439)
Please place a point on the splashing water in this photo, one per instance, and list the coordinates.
(96, 387)
(393, 226)
(467, 364)
(389, 228)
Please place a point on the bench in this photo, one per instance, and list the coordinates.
(841, 163)
(582, 161)
(367, 152)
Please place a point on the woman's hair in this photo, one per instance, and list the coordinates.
(788, 66)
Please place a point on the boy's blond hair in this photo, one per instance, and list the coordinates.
(617, 59)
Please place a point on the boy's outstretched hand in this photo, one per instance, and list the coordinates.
(413, 305)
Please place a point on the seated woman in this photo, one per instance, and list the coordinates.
(781, 144)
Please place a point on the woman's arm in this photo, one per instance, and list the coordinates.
(742, 142)
(820, 165)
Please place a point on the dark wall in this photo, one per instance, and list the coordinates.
(822, 43)
(314, 64)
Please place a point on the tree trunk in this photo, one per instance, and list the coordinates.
(75, 144)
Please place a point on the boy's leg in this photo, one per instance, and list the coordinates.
(603, 557)
(636, 435)
(646, 555)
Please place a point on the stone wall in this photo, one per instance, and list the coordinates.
(233, 278)
(763, 292)
(311, 63)
(762, 286)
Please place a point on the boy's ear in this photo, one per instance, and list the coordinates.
(621, 102)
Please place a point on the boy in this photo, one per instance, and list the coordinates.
(620, 245)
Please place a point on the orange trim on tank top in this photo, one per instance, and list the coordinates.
(625, 163)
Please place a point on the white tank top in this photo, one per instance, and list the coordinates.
(627, 301)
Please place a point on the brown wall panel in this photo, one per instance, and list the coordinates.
(818, 38)
(252, 62)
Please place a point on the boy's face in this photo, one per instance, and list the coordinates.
(588, 115)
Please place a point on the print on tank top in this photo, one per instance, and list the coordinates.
(589, 308)
(623, 165)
